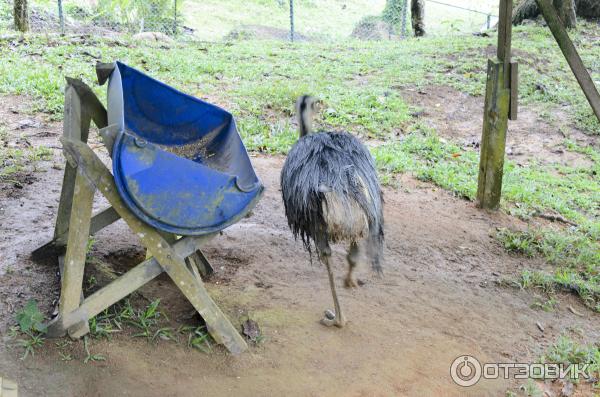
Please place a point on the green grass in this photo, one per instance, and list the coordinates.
(31, 326)
(17, 160)
(567, 351)
(147, 322)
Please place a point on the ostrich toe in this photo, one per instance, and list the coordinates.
(331, 319)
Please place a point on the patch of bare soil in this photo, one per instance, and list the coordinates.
(459, 116)
(439, 298)
(261, 32)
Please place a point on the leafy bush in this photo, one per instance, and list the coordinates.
(30, 318)
(372, 27)
(139, 15)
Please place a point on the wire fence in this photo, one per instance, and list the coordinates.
(271, 19)
(490, 18)
(106, 16)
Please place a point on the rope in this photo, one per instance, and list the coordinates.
(462, 8)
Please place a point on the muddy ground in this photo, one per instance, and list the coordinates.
(441, 295)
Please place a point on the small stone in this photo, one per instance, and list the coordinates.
(329, 314)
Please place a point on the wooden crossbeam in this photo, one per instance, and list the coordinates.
(118, 289)
(570, 52)
(8, 388)
(57, 245)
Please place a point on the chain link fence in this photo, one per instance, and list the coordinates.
(212, 20)
(106, 16)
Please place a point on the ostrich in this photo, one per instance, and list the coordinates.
(331, 194)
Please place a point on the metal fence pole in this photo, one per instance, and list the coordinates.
(61, 17)
(404, 18)
(489, 21)
(292, 21)
(174, 17)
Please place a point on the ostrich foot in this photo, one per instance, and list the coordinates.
(349, 282)
(330, 319)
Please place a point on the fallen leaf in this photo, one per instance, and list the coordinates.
(251, 330)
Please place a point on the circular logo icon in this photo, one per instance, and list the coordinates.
(465, 371)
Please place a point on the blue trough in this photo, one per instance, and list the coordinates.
(178, 162)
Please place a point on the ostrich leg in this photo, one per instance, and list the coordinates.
(352, 257)
(339, 320)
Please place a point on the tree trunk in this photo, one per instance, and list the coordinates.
(526, 9)
(21, 16)
(417, 10)
(566, 12)
(587, 8)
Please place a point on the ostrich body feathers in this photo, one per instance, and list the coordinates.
(331, 193)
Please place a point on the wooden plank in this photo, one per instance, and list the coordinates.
(173, 263)
(201, 263)
(80, 327)
(8, 388)
(505, 31)
(81, 214)
(102, 219)
(570, 52)
(109, 136)
(493, 139)
(81, 106)
(190, 261)
(91, 105)
(76, 127)
(61, 270)
(112, 293)
(514, 91)
(56, 247)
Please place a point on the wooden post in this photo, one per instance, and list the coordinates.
(496, 113)
(570, 52)
(8, 388)
(21, 15)
(74, 262)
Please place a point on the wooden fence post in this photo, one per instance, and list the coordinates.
(496, 113)
(21, 15)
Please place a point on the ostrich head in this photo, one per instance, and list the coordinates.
(306, 106)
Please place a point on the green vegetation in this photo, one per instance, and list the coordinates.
(566, 351)
(147, 322)
(15, 160)
(30, 324)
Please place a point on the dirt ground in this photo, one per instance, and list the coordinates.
(440, 297)
(534, 136)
